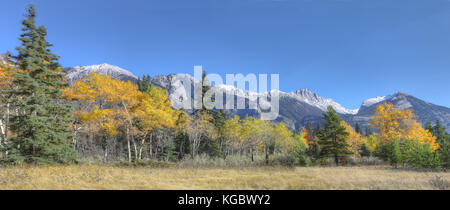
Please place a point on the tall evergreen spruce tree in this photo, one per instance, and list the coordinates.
(42, 123)
(332, 138)
(317, 129)
(309, 128)
(368, 132)
(439, 131)
(429, 127)
(358, 128)
(210, 146)
(444, 141)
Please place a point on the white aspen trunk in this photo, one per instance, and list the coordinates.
(106, 153)
(128, 144)
(2, 133)
(135, 150)
(150, 146)
(140, 149)
(7, 123)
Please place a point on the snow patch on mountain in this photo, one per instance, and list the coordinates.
(372, 101)
(313, 99)
(79, 72)
(304, 95)
(378, 99)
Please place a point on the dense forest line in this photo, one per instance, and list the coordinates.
(43, 120)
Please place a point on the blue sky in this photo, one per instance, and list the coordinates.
(347, 50)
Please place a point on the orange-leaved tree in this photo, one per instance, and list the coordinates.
(393, 123)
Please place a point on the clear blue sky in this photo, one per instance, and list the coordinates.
(347, 50)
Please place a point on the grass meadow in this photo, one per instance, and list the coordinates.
(102, 177)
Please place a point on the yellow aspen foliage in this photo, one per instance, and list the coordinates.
(415, 131)
(394, 123)
(5, 77)
(155, 110)
(371, 143)
(113, 103)
(284, 138)
(301, 138)
(182, 120)
(233, 131)
(390, 121)
(102, 119)
(262, 133)
(354, 139)
(303, 135)
(310, 140)
(256, 132)
(105, 101)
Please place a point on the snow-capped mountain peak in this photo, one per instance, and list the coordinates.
(313, 99)
(79, 72)
(371, 101)
(375, 100)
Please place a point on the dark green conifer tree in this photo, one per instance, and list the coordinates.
(368, 131)
(210, 146)
(357, 128)
(439, 131)
(332, 138)
(42, 124)
(443, 139)
(309, 128)
(144, 84)
(317, 129)
(429, 127)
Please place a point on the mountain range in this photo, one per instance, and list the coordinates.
(295, 108)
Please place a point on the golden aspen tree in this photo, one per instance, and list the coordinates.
(415, 131)
(394, 123)
(354, 139)
(308, 138)
(233, 133)
(265, 133)
(252, 134)
(154, 112)
(284, 138)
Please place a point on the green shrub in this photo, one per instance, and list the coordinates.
(324, 161)
(283, 160)
(419, 156)
(409, 153)
(391, 153)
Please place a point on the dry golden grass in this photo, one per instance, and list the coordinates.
(108, 177)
